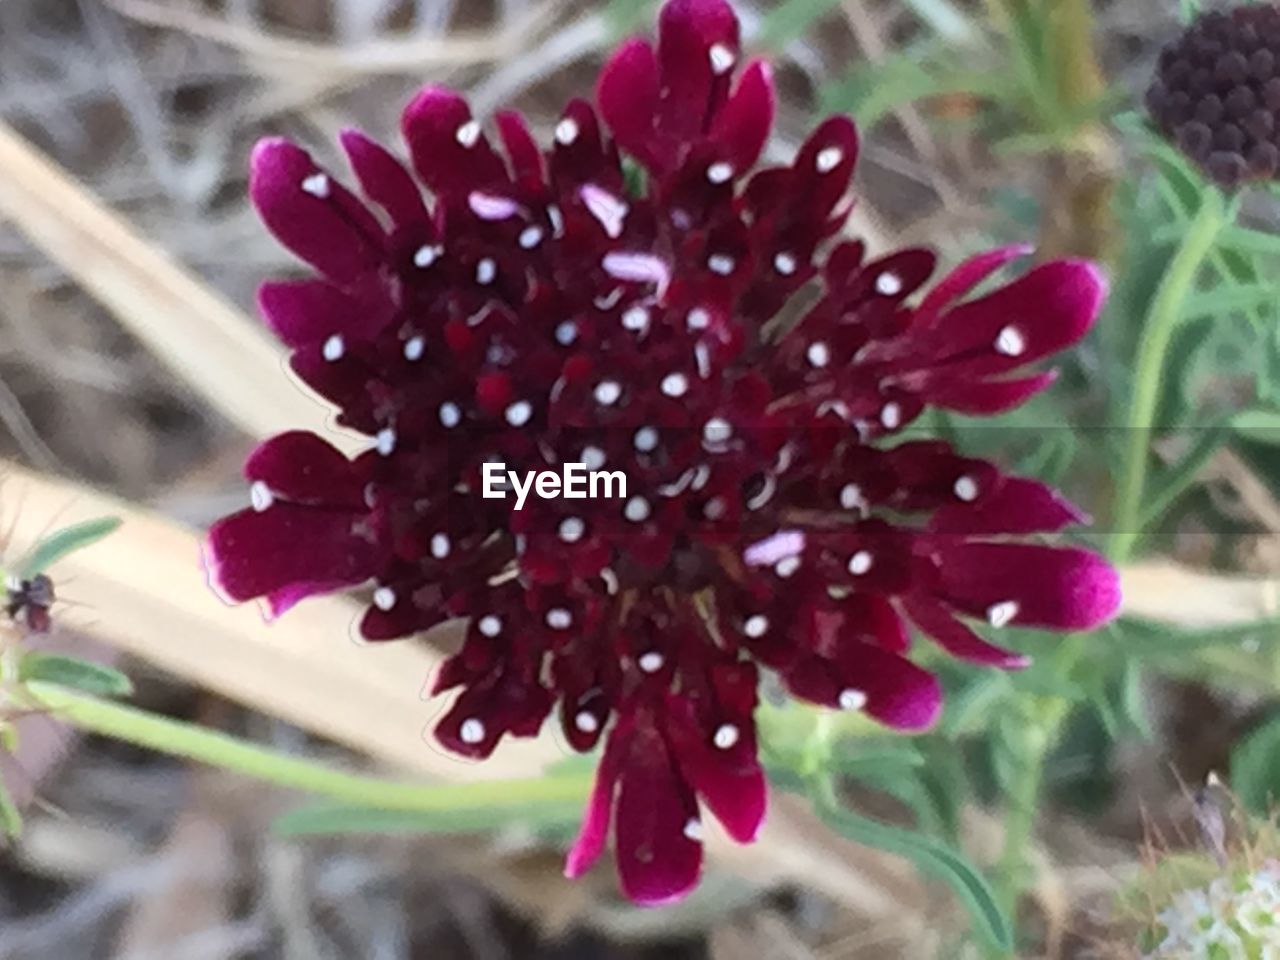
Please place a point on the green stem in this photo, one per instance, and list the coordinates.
(1157, 332)
(180, 739)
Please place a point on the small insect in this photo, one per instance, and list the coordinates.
(29, 601)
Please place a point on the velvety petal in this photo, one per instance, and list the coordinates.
(742, 128)
(522, 149)
(311, 214)
(594, 831)
(656, 825)
(968, 275)
(253, 554)
(384, 179)
(301, 467)
(888, 687)
(279, 602)
(1029, 585)
(450, 152)
(697, 47)
(987, 397)
(957, 639)
(627, 93)
(304, 313)
(1016, 505)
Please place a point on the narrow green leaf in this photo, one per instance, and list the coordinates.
(1255, 767)
(332, 819)
(10, 815)
(930, 856)
(1260, 426)
(1148, 638)
(789, 19)
(62, 542)
(1173, 482)
(872, 91)
(1219, 301)
(75, 674)
(1250, 241)
(943, 18)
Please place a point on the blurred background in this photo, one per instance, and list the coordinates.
(128, 260)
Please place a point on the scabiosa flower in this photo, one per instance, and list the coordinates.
(1216, 93)
(537, 313)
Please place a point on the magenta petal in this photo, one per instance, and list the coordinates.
(697, 47)
(656, 826)
(987, 397)
(280, 602)
(737, 795)
(967, 276)
(957, 639)
(303, 468)
(311, 214)
(1017, 505)
(450, 152)
(742, 127)
(253, 554)
(384, 179)
(526, 158)
(627, 93)
(594, 831)
(888, 687)
(1029, 585)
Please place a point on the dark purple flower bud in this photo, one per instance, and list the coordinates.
(534, 312)
(1216, 96)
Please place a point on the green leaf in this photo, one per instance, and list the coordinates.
(1136, 637)
(944, 19)
(872, 91)
(1243, 296)
(1249, 241)
(332, 819)
(930, 856)
(789, 19)
(1174, 481)
(62, 542)
(75, 674)
(1255, 767)
(10, 815)
(969, 710)
(1260, 426)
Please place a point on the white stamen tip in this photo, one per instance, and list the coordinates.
(518, 413)
(593, 458)
(1011, 342)
(756, 626)
(317, 185)
(566, 333)
(636, 319)
(726, 736)
(851, 496)
(693, 830)
(819, 355)
(651, 662)
(785, 264)
(334, 348)
(486, 271)
(719, 173)
(385, 441)
(260, 496)
(722, 59)
(715, 508)
(471, 731)
(966, 489)
(610, 211)
(860, 563)
(828, 159)
(888, 284)
(469, 133)
(384, 598)
(414, 348)
(675, 384)
(698, 319)
(717, 430)
(567, 131)
(572, 529)
(786, 566)
(530, 237)
(490, 625)
(852, 699)
(638, 268)
(559, 619)
(637, 510)
(646, 439)
(1001, 614)
(608, 392)
(773, 548)
(721, 264)
(487, 206)
(426, 256)
(586, 721)
(440, 546)
(891, 416)
(450, 415)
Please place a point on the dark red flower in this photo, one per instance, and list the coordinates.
(535, 312)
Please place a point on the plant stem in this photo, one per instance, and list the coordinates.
(1157, 332)
(180, 739)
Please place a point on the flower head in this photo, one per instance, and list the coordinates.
(1217, 93)
(535, 312)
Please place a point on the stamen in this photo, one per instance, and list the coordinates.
(722, 59)
(586, 721)
(530, 237)
(490, 625)
(819, 355)
(385, 441)
(646, 439)
(317, 185)
(719, 173)
(966, 489)
(450, 415)
(1011, 342)
(698, 319)
(333, 348)
(828, 159)
(726, 736)
(610, 211)
(567, 131)
(1001, 614)
(636, 319)
(860, 563)
(888, 284)
(486, 271)
(891, 416)
(608, 392)
(852, 699)
(675, 384)
(469, 133)
(518, 413)
(440, 546)
(426, 256)
(260, 496)
(471, 731)
(593, 458)
(785, 264)
(756, 626)
(559, 619)
(637, 510)
(651, 662)
(384, 598)
(572, 529)
(414, 348)
(693, 830)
